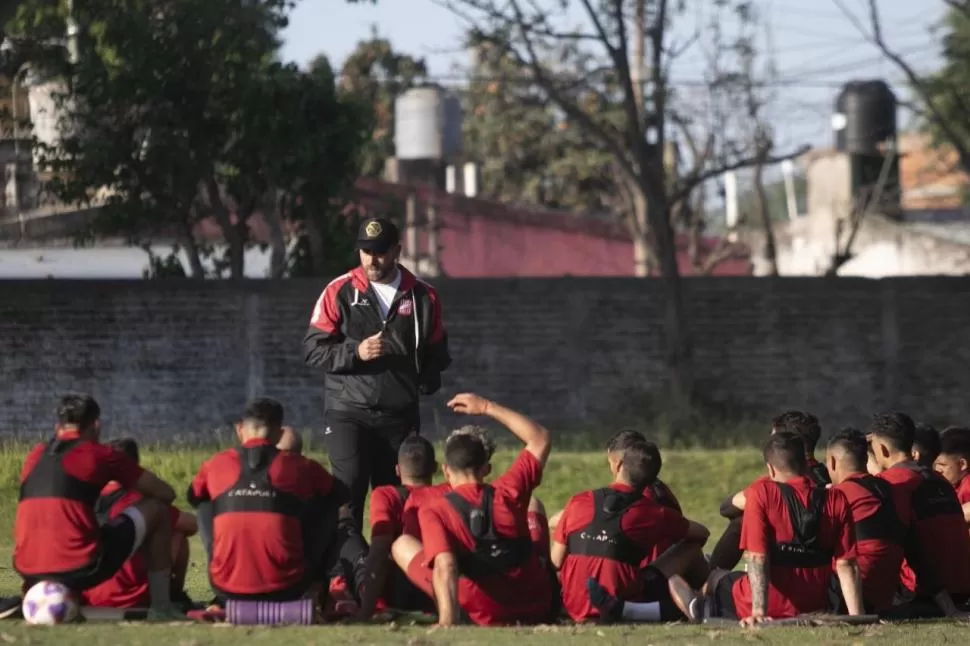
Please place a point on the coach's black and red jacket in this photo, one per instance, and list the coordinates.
(346, 313)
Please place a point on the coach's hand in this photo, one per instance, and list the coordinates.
(469, 404)
(371, 348)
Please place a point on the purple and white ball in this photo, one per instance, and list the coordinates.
(49, 604)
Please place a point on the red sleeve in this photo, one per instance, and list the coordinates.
(434, 533)
(320, 479)
(31, 461)
(522, 478)
(117, 466)
(673, 525)
(564, 528)
(754, 524)
(200, 483)
(326, 314)
(386, 512)
(437, 321)
(844, 539)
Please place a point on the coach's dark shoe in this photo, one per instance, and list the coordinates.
(11, 608)
(609, 607)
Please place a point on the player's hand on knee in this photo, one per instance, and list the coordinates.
(469, 404)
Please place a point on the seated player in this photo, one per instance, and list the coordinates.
(926, 445)
(879, 532)
(658, 491)
(57, 534)
(953, 463)
(936, 574)
(128, 588)
(393, 512)
(477, 556)
(605, 538)
(270, 510)
(290, 441)
(793, 531)
(727, 552)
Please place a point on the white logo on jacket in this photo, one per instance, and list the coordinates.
(405, 307)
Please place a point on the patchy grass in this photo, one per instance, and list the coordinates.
(700, 478)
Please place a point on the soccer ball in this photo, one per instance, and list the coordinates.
(49, 603)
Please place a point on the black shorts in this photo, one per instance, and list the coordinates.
(722, 597)
(117, 543)
(657, 590)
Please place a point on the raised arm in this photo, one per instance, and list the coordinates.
(533, 435)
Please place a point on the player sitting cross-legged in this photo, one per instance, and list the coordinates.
(128, 588)
(273, 513)
(477, 557)
(606, 543)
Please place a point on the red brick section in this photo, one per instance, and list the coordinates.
(924, 167)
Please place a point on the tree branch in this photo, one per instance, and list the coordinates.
(687, 183)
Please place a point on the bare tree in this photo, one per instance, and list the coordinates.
(570, 65)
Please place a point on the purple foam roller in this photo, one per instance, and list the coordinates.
(269, 613)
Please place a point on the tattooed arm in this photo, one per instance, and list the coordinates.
(758, 580)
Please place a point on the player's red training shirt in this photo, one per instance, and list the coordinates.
(792, 590)
(963, 490)
(645, 523)
(938, 530)
(523, 594)
(879, 560)
(389, 516)
(256, 553)
(53, 534)
(128, 588)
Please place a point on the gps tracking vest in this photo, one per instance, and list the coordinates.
(493, 554)
(884, 524)
(49, 480)
(253, 491)
(603, 537)
(803, 551)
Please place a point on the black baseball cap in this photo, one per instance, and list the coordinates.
(377, 235)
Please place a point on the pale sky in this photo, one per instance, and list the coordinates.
(817, 49)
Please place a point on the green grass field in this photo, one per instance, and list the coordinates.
(699, 478)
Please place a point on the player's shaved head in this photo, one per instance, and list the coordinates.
(290, 441)
(786, 453)
(850, 447)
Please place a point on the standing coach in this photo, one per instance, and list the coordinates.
(378, 334)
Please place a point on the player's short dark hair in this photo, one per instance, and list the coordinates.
(853, 443)
(264, 413)
(416, 457)
(896, 429)
(128, 446)
(786, 452)
(465, 453)
(641, 464)
(78, 410)
(623, 440)
(955, 441)
(926, 440)
(804, 425)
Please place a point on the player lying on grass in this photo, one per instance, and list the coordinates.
(793, 532)
(953, 463)
(936, 574)
(57, 534)
(878, 530)
(128, 588)
(727, 551)
(274, 514)
(608, 542)
(476, 556)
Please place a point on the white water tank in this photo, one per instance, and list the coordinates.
(427, 124)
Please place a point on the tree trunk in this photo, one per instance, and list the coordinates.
(277, 241)
(315, 241)
(187, 242)
(639, 56)
(230, 233)
(771, 250)
(639, 230)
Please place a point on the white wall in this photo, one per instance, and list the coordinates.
(99, 262)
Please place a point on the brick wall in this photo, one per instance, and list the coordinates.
(176, 360)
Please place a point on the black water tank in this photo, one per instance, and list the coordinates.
(865, 116)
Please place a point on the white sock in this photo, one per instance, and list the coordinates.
(646, 611)
(160, 587)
